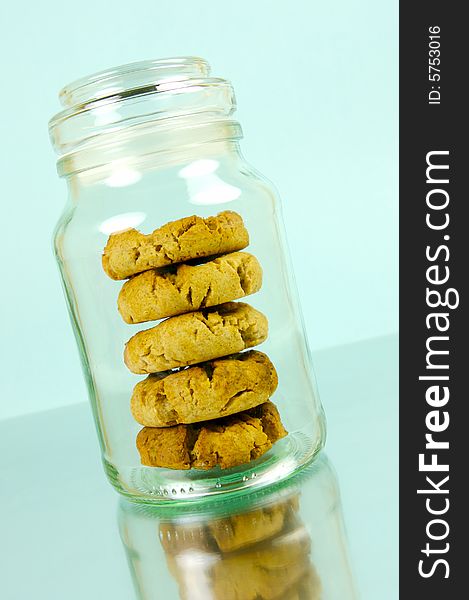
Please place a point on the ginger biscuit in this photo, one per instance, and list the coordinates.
(196, 337)
(130, 252)
(183, 288)
(225, 442)
(207, 391)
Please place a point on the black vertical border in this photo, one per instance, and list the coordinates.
(424, 128)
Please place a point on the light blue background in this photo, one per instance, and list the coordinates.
(316, 84)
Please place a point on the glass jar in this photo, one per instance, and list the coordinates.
(284, 542)
(171, 246)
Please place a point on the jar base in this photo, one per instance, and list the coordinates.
(156, 485)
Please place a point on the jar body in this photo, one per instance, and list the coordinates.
(146, 190)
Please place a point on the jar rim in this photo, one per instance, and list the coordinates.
(134, 93)
(107, 82)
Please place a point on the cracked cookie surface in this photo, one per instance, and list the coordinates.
(130, 252)
(157, 294)
(207, 391)
(196, 337)
(226, 442)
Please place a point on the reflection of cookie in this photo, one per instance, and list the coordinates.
(263, 553)
(273, 569)
(158, 294)
(130, 252)
(245, 529)
(196, 337)
(307, 588)
(267, 572)
(264, 571)
(227, 442)
(232, 533)
(207, 391)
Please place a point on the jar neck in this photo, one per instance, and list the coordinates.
(143, 111)
(190, 159)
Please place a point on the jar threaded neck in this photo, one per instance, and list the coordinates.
(113, 106)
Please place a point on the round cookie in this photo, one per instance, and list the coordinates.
(157, 294)
(130, 252)
(226, 442)
(196, 337)
(207, 391)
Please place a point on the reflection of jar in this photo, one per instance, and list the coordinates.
(143, 146)
(287, 542)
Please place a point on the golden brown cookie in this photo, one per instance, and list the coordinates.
(130, 252)
(207, 391)
(183, 288)
(169, 447)
(226, 442)
(196, 337)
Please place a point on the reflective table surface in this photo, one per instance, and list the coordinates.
(66, 534)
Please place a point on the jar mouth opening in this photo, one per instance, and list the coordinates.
(181, 85)
(111, 82)
(153, 92)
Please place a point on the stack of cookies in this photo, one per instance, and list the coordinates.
(260, 554)
(205, 402)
